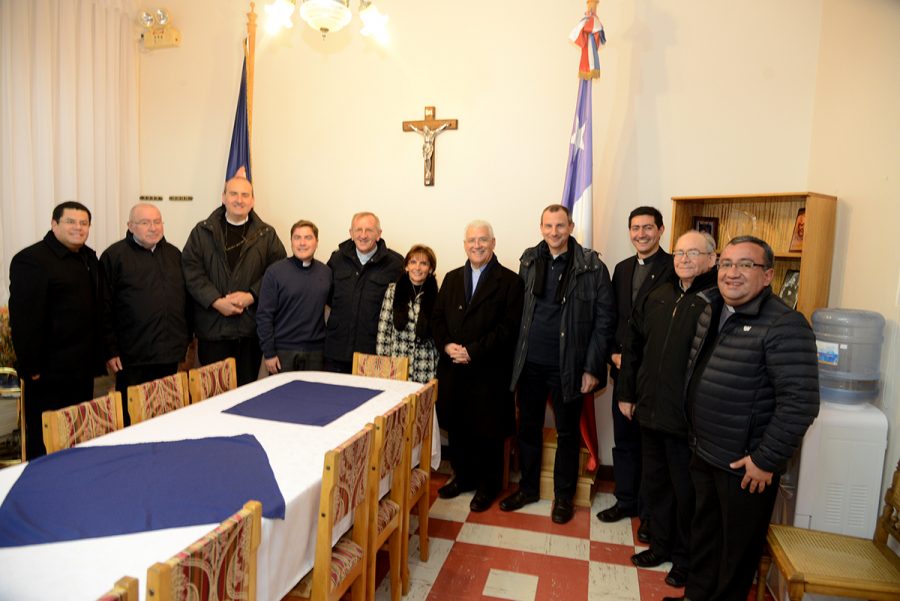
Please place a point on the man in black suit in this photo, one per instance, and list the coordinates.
(475, 325)
(633, 279)
(54, 315)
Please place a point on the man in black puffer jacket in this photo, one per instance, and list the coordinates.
(753, 391)
(651, 389)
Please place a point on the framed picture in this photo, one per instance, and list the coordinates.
(710, 225)
(790, 287)
(797, 237)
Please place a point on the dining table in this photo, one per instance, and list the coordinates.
(265, 440)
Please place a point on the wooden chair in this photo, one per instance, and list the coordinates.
(213, 379)
(125, 589)
(380, 366)
(345, 481)
(419, 476)
(220, 566)
(392, 432)
(157, 397)
(68, 426)
(834, 564)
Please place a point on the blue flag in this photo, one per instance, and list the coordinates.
(577, 191)
(239, 153)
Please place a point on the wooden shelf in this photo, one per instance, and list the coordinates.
(772, 217)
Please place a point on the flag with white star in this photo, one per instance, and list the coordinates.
(577, 194)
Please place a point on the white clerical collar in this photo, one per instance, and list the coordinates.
(232, 222)
(364, 258)
(307, 263)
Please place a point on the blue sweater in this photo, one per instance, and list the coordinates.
(291, 311)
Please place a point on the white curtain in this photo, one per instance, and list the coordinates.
(68, 117)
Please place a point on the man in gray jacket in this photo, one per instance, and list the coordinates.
(564, 339)
(224, 260)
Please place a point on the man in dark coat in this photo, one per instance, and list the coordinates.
(563, 345)
(145, 305)
(753, 391)
(54, 313)
(362, 267)
(651, 390)
(632, 281)
(224, 260)
(476, 318)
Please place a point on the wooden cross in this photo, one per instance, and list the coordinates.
(429, 128)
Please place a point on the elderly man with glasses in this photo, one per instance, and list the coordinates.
(753, 391)
(651, 391)
(145, 305)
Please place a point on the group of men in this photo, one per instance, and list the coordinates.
(715, 385)
(231, 287)
(715, 378)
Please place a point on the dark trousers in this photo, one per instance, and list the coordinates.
(300, 360)
(536, 383)
(338, 366)
(246, 352)
(728, 533)
(48, 393)
(626, 456)
(668, 494)
(138, 374)
(477, 461)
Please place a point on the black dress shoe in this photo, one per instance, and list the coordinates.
(453, 489)
(677, 577)
(615, 513)
(482, 502)
(518, 500)
(648, 559)
(563, 510)
(643, 533)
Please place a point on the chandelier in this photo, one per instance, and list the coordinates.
(327, 16)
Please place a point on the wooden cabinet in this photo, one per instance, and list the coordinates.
(772, 218)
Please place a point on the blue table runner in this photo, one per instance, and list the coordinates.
(308, 403)
(89, 492)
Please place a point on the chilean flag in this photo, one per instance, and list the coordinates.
(577, 190)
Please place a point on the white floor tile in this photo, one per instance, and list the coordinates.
(611, 582)
(453, 510)
(422, 575)
(523, 540)
(510, 585)
(617, 533)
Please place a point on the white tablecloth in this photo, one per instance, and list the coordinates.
(85, 569)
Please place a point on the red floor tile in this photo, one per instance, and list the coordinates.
(466, 570)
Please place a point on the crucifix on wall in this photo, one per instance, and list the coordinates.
(429, 128)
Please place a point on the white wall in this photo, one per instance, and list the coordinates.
(696, 98)
(855, 154)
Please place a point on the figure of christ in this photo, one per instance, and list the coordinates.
(428, 136)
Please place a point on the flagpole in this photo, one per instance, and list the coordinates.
(250, 51)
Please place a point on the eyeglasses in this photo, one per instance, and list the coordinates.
(691, 254)
(70, 221)
(743, 266)
(147, 222)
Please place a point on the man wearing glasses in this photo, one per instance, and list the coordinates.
(54, 309)
(650, 391)
(753, 391)
(145, 303)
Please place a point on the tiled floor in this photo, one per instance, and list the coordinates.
(523, 556)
